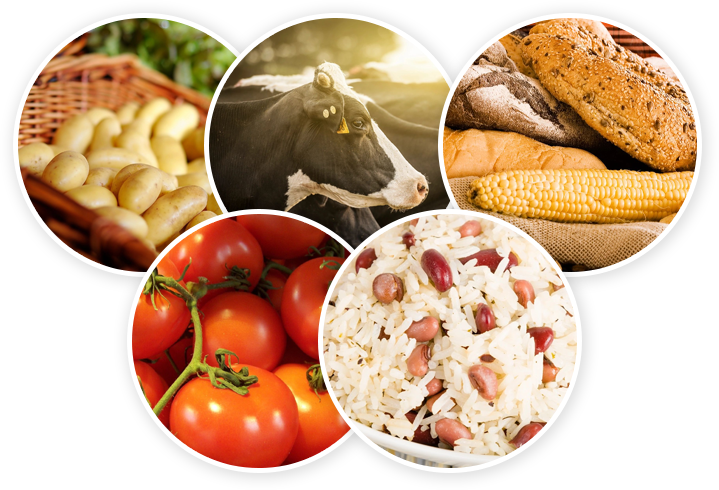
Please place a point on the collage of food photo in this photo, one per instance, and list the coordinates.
(333, 239)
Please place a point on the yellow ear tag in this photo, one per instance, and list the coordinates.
(343, 127)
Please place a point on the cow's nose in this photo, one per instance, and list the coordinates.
(421, 189)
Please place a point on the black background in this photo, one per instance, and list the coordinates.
(78, 404)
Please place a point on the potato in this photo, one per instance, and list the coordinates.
(149, 114)
(197, 165)
(178, 122)
(101, 176)
(170, 213)
(92, 196)
(135, 141)
(170, 155)
(57, 149)
(105, 133)
(213, 206)
(203, 216)
(66, 171)
(97, 114)
(127, 219)
(75, 134)
(169, 182)
(126, 113)
(116, 158)
(140, 190)
(35, 157)
(194, 144)
(195, 178)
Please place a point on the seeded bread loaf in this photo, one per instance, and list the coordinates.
(494, 97)
(650, 121)
(513, 45)
(474, 152)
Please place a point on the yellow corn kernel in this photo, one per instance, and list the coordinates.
(582, 196)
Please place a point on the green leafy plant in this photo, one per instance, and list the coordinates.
(186, 55)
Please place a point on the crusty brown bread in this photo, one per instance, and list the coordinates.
(513, 46)
(475, 152)
(650, 121)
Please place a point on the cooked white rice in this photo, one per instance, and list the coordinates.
(369, 375)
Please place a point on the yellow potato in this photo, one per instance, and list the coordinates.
(75, 134)
(92, 196)
(194, 144)
(195, 178)
(57, 149)
(213, 206)
(126, 113)
(66, 171)
(101, 176)
(197, 165)
(127, 219)
(149, 114)
(140, 190)
(177, 122)
(105, 133)
(170, 213)
(169, 182)
(170, 155)
(97, 114)
(134, 141)
(116, 158)
(203, 216)
(35, 157)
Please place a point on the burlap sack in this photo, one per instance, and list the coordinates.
(594, 246)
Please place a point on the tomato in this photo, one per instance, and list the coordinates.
(277, 279)
(154, 387)
(246, 325)
(302, 301)
(256, 430)
(321, 425)
(155, 330)
(181, 353)
(282, 237)
(294, 355)
(211, 248)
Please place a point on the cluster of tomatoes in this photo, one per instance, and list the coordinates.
(271, 328)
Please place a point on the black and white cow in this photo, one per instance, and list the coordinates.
(316, 143)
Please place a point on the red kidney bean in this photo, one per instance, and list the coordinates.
(470, 228)
(524, 291)
(422, 436)
(387, 288)
(365, 259)
(432, 399)
(417, 361)
(543, 337)
(434, 386)
(424, 329)
(484, 381)
(414, 222)
(437, 268)
(549, 371)
(485, 318)
(408, 239)
(526, 433)
(491, 259)
(449, 430)
(486, 358)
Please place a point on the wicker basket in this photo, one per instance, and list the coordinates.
(72, 84)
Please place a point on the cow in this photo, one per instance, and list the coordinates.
(316, 143)
(401, 124)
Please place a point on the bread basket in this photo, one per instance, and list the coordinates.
(72, 83)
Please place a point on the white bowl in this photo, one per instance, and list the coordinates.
(419, 453)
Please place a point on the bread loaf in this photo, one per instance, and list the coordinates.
(513, 46)
(493, 97)
(477, 153)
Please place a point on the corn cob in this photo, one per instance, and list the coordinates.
(582, 196)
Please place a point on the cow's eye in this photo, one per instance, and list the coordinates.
(358, 123)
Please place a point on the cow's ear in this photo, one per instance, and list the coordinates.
(327, 107)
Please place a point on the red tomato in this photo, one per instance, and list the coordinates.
(256, 430)
(154, 387)
(321, 425)
(246, 325)
(305, 293)
(181, 353)
(294, 355)
(282, 237)
(155, 330)
(277, 279)
(211, 248)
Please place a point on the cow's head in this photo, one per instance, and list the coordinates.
(341, 153)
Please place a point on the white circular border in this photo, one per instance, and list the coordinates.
(479, 465)
(27, 92)
(494, 39)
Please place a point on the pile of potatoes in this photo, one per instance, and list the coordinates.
(142, 167)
